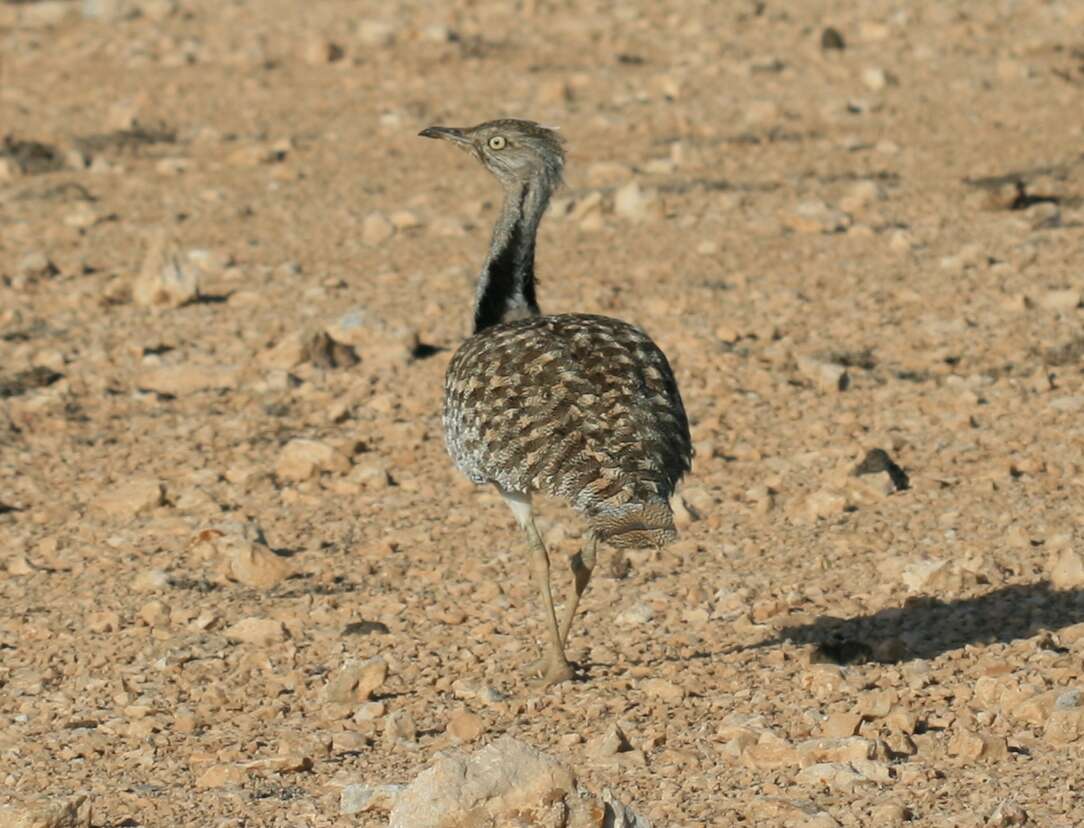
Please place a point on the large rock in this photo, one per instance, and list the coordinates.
(505, 783)
(71, 812)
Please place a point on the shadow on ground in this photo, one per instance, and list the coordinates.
(926, 627)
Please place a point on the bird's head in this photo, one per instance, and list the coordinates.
(517, 152)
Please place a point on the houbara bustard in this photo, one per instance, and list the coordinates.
(575, 405)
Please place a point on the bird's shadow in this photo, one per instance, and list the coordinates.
(926, 627)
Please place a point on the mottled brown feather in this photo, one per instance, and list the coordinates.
(579, 406)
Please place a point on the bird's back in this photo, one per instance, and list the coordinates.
(579, 406)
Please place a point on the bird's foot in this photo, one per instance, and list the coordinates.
(547, 672)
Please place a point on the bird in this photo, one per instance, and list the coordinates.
(574, 405)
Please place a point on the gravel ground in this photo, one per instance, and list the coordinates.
(238, 572)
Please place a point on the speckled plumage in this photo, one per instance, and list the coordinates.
(579, 406)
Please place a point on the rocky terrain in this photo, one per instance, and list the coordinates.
(241, 583)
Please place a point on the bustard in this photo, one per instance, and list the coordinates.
(579, 406)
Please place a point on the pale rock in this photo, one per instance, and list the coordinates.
(167, 279)
(154, 614)
(359, 799)
(823, 504)
(103, 622)
(639, 613)
(222, 776)
(612, 742)
(1067, 569)
(370, 711)
(1064, 726)
(841, 725)
(186, 378)
(376, 229)
(826, 376)
(257, 631)
(1035, 709)
(151, 580)
(36, 265)
(763, 112)
(504, 783)
(46, 13)
(376, 33)
(127, 500)
(1060, 300)
(840, 776)
(815, 216)
(356, 681)
(633, 203)
(876, 78)
(464, 726)
(971, 746)
(846, 749)
(236, 558)
(664, 690)
(48, 812)
(769, 752)
(1072, 403)
(1006, 814)
(404, 220)
(400, 730)
(300, 459)
(926, 575)
(318, 51)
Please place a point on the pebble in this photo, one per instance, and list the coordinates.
(317, 51)
(828, 377)
(188, 378)
(925, 575)
(134, 497)
(167, 279)
(257, 631)
(664, 690)
(400, 730)
(151, 580)
(376, 229)
(376, 33)
(356, 681)
(633, 203)
(847, 749)
(840, 776)
(36, 265)
(358, 799)
(1067, 569)
(222, 776)
(815, 216)
(301, 459)
(246, 562)
(639, 613)
(51, 812)
(1060, 300)
(841, 725)
(1006, 814)
(464, 726)
(875, 78)
(611, 742)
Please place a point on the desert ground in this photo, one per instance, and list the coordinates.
(241, 583)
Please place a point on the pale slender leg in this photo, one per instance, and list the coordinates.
(583, 564)
(553, 667)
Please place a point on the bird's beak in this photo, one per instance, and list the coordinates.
(453, 134)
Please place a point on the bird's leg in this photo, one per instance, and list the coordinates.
(583, 564)
(555, 667)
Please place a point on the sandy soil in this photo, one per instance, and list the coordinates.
(231, 278)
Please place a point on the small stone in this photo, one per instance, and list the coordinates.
(257, 631)
(1060, 300)
(376, 229)
(763, 112)
(1067, 569)
(1069, 700)
(839, 776)
(151, 580)
(167, 279)
(1006, 814)
(841, 725)
(633, 203)
(611, 742)
(824, 503)
(815, 216)
(972, 746)
(48, 812)
(103, 622)
(318, 51)
(35, 266)
(356, 681)
(181, 380)
(154, 614)
(826, 376)
(662, 689)
(770, 752)
(849, 749)
(400, 730)
(222, 776)
(359, 799)
(300, 459)
(130, 499)
(82, 217)
(875, 78)
(924, 575)
(376, 33)
(1064, 726)
(639, 613)
(464, 726)
(246, 562)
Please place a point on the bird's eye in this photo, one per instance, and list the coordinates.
(497, 142)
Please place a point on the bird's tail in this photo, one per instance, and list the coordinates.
(636, 525)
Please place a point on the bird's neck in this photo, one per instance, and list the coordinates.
(506, 287)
